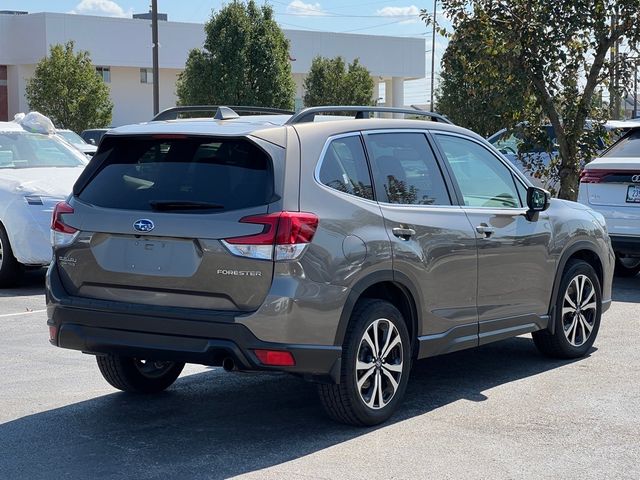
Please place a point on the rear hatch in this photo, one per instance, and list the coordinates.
(171, 220)
(614, 179)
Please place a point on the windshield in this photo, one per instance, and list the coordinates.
(70, 136)
(34, 150)
(517, 141)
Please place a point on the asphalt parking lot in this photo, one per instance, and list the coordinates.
(501, 411)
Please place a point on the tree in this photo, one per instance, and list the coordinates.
(561, 48)
(245, 61)
(66, 88)
(331, 82)
(476, 97)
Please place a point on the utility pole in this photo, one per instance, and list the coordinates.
(635, 90)
(156, 73)
(433, 53)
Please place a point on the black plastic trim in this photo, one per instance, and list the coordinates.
(569, 251)
(625, 245)
(457, 338)
(358, 289)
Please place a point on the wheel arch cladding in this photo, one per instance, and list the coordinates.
(578, 251)
(383, 286)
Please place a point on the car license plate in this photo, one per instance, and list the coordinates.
(633, 194)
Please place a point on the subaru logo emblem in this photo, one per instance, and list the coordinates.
(635, 179)
(144, 225)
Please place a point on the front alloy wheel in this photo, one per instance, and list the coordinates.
(579, 310)
(576, 313)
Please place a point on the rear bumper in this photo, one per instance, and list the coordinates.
(626, 245)
(102, 327)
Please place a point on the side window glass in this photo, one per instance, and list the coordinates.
(406, 169)
(344, 167)
(483, 180)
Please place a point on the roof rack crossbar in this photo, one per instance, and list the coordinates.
(308, 114)
(173, 113)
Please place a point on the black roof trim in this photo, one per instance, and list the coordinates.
(308, 114)
(174, 112)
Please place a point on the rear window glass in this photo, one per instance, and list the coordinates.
(628, 146)
(194, 174)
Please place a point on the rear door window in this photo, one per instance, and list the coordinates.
(176, 173)
(406, 169)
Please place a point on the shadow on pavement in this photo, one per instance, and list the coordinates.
(31, 283)
(626, 289)
(215, 424)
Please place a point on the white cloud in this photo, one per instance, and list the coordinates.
(301, 8)
(399, 12)
(106, 8)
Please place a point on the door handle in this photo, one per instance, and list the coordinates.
(485, 229)
(404, 233)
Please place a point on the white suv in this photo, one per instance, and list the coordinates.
(611, 185)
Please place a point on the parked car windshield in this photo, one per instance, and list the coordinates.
(516, 141)
(71, 136)
(34, 150)
(628, 146)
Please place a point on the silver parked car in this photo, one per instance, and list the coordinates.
(338, 251)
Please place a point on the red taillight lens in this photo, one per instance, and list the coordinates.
(276, 358)
(592, 176)
(296, 227)
(282, 228)
(53, 333)
(57, 224)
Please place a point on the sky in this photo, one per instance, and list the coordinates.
(387, 17)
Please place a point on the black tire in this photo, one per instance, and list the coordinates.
(10, 269)
(344, 402)
(627, 267)
(571, 324)
(138, 376)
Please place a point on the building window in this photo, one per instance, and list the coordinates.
(146, 75)
(104, 73)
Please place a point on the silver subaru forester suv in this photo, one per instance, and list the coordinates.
(338, 250)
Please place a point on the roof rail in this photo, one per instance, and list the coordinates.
(173, 113)
(308, 114)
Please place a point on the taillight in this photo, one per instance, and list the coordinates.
(592, 176)
(284, 237)
(61, 233)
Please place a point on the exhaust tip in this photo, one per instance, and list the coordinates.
(229, 364)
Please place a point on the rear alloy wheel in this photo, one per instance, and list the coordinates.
(137, 375)
(10, 269)
(375, 366)
(627, 266)
(577, 314)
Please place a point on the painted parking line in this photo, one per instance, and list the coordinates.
(22, 313)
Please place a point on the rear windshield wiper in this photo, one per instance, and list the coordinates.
(167, 205)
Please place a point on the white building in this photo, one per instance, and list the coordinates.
(121, 48)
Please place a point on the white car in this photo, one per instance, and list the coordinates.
(610, 185)
(77, 141)
(37, 170)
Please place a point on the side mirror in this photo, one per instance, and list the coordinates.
(538, 200)
(92, 141)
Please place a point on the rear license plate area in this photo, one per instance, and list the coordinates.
(633, 194)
